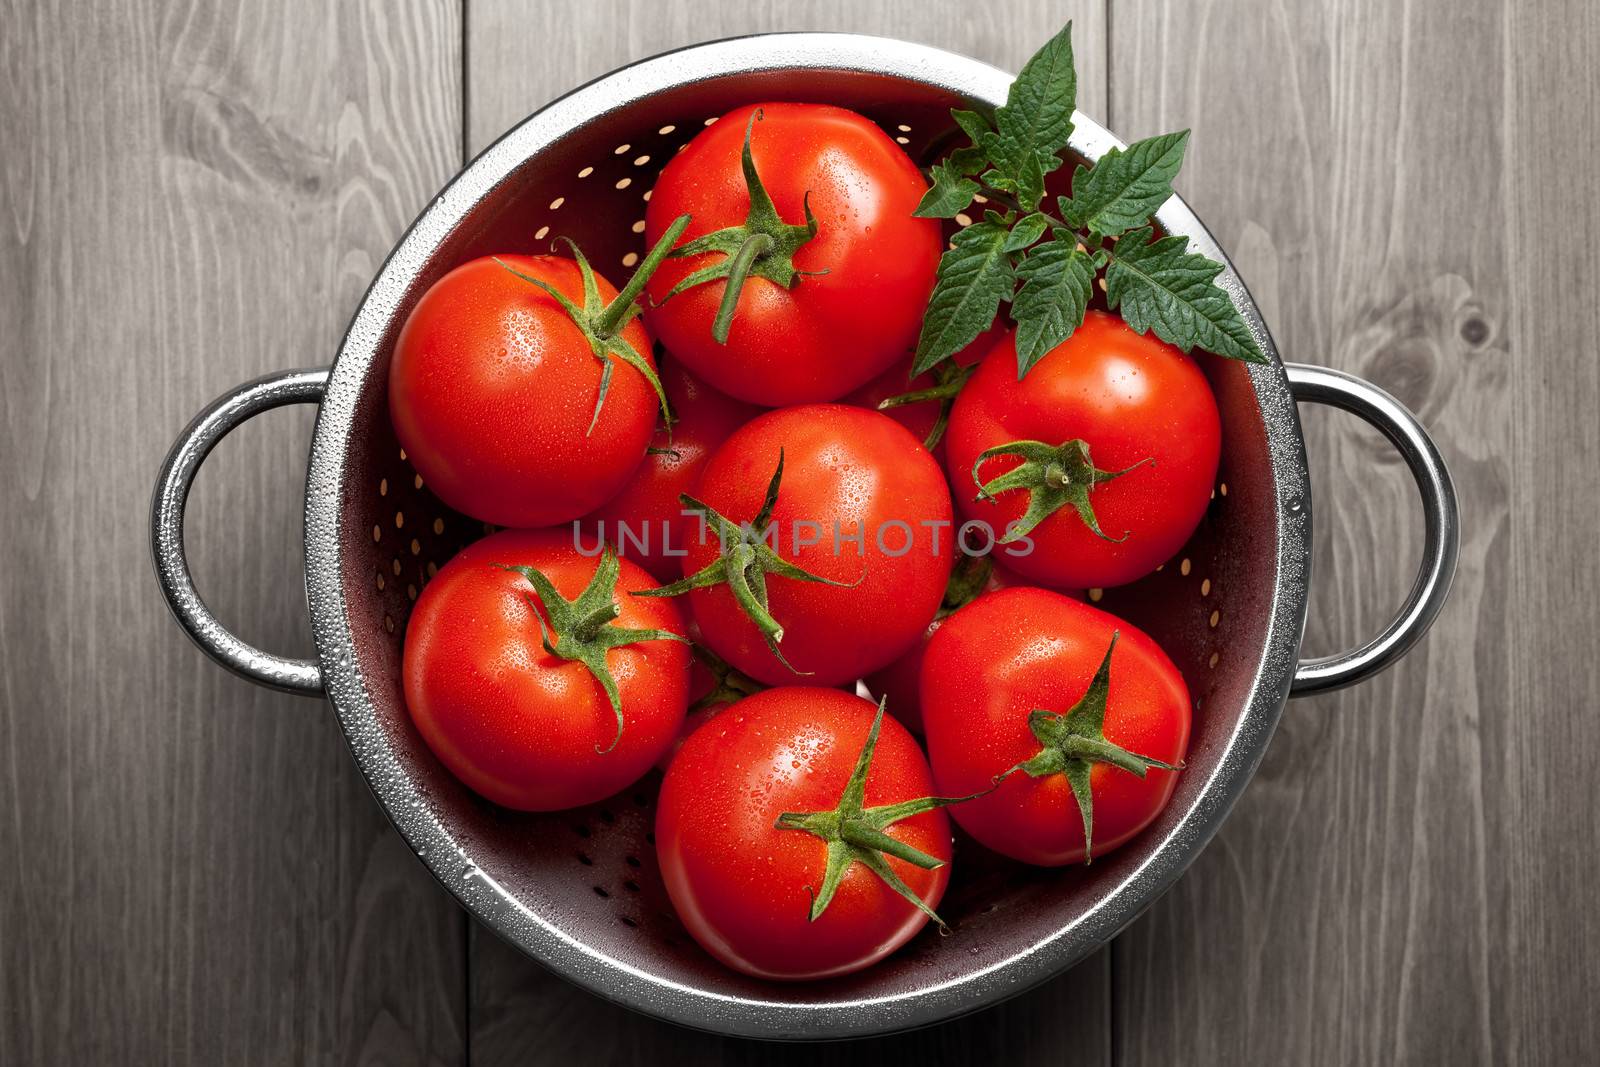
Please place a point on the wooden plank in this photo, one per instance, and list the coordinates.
(523, 53)
(192, 196)
(1544, 957)
(519, 1012)
(1394, 182)
(523, 1014)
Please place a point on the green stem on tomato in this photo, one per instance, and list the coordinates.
(754, 246)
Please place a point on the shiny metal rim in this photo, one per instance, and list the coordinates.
(765, 1017)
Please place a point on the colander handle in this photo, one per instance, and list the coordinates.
(1441, 530)
(166, 529)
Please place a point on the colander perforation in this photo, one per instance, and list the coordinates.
(581, 889)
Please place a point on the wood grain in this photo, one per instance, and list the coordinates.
(1389, 181)
(1544, 950)
(521, 1014)
(195, 194)
(524, 53)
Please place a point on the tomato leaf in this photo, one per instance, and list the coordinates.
(974, 125)
(1036, 121)
(1027, 230)
(975, 276)
(1057, 282)
(1158, 286)
(951, 193)
(1121, 191)
(1161, 286)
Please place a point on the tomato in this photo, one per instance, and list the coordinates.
(920, 418)
(645, 520)
(819, 313)
(900, 683)
(1034, 649)
(753, 885)
(495, 391)
(983, 344)
(841, 573)
(1134, 407)
(713, 687)
(926, 399)
(526, 725)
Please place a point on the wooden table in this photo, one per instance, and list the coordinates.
(195, 193)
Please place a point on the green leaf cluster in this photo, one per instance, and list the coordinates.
(1044, 264)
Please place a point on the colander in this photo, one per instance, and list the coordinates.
(579, 890)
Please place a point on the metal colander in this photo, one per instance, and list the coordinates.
(579, 890)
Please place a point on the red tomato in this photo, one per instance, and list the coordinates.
(919, 418)
(1034, 649)
(743, 887)
(1139, 404)
(645, 521)
(857, 303)
(523, 726)
(922, 417)
(713, 687)
(845, 469)
(492, 390)
(982, 344)
(900, 683)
